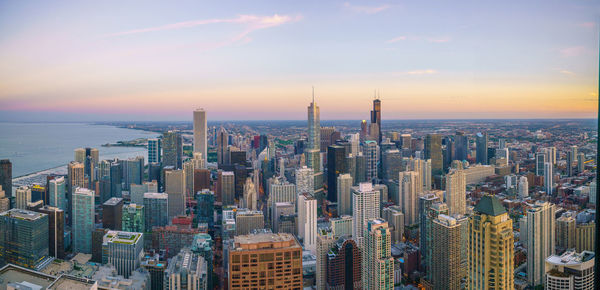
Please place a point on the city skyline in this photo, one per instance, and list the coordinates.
(258, 61)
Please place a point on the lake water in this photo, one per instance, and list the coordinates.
(33, 147)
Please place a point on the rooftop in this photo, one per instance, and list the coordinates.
(23, 214)
(113, 201)
(11, 273)
(571, 258)
(490, 205)
(119, 237)
(74, 283)
(156, 195)
(264, 241)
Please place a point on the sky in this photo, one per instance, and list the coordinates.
(255, 60)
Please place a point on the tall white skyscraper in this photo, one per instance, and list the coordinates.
(418, 165)
(307, 221)
(304, 180)
(377, 260)
(365, 206)
(523, 187)
(456, 192)
(344, 198)
(200, 132)
(548, 178)
(314, 125)
(408, 196)
(540, 240)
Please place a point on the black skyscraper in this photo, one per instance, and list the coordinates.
(336, 164)
(6, 177)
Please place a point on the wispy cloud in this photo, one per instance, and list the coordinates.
(418, 72)
(567, 72)
(587, 24)
(396, 39)
(366, 9)
(573, 51)
(252, 22)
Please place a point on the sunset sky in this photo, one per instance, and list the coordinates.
(242, 60)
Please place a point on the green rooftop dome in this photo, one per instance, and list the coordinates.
(490, 205)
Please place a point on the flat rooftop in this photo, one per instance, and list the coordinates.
(155, 195)
(119, 237)
(11, 273)
(264, 241)
(74, 283)
(113, 201)
(23, 214)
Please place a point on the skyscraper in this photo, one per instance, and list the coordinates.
(248, 220)
(264, 248)
(540, 160)
(395, 218)
(112, 211)
(155, 210)
(154, 150)
(548, 178)
(175, 188)
(523, 187)
(205, 208)
(172, 149)
(371, 153)
(378, 264)
(6, 177)
(376, 117)
(433, 151)
(305, 181)
(344, 197)
(461, 146)
(124, 250)
(491, 247)
(447, 268)
(187, 270)
(456, 192)
(56, 230)
(481, 142)
(344, 265)
(23, 196)
(132, 218)
(133, 169)
(571, 270)
(391, 164)
(200, 132)
(227, 183)
(222, 143)
(24, 238)
(83, 220)
(365, 207)
(336, 161)
(250, 198)
(313, 151)
(307, 221)
(408, 196)
(565, 232)
(540, 240)
(57, 191)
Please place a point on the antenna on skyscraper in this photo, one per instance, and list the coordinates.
(313, 87)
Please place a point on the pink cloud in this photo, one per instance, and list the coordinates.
(366, 9)
(252, 22)
(587, 24)
(396, 39)
(438, 39)
(573, 51)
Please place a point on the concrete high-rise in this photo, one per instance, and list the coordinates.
(344, 197)
(305, 181)
(456, 192)
(395, 218)
(523, 187)
(540, 240)
(378, 263)
(248, 220)
(481, 143)
(409, 196)
(491, 246)
(24, 238)
(365, 207)
(187, 270)
(172, 149)
(571, 270)
(83, 220)
(124, 250)
(23, 196)
(227, 183)
(175, 188)
(262, 249)
(154, 150)
(200, 128)
(447, 268)
(307, 221)
(565, 232)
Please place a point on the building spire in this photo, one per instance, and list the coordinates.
(313, 95)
